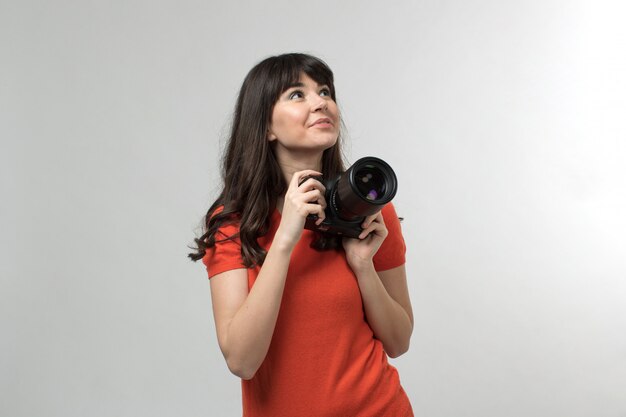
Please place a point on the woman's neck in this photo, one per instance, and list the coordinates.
(291, 166)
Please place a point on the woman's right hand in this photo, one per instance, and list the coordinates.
(301, 199)
(245, 318)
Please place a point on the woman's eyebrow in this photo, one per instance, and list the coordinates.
(297, 84)
(300, 84)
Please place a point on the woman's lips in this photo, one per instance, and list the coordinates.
(323, 122)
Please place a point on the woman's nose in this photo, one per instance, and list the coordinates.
(319, 103)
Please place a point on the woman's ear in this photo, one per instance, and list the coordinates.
(270, 135)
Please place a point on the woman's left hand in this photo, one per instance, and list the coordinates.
(360, 251)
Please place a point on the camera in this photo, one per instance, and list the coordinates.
(362, 190)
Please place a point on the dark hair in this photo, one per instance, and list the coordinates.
(247, 197)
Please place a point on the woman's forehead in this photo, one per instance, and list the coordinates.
(306, 80)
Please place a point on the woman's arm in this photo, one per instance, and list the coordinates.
(387, 307)
(245, 320)
(385, 294)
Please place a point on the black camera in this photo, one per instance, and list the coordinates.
(360, 191)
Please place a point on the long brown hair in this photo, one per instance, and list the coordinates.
(252, 178)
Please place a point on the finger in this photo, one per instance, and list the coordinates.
(366, 231)
(297, 176)
(370, 219)
(376, 227)
(317, 210)
(314, 196)
(313, 184)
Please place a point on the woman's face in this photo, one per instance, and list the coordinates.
(305, 119)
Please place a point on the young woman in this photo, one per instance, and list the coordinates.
(305, 320)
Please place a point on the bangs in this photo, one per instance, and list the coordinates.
(288, 68)
(270, 78)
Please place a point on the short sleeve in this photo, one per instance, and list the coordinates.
(392, 252)
(225, 255)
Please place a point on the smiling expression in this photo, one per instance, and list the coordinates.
(305, 119)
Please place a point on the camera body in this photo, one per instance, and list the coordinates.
(362, 190)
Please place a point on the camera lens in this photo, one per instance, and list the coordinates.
(364, 188)
(370, 183)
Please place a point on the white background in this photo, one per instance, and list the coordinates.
(504, 120)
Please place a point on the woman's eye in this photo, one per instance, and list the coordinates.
(296, 94)
(324, 92)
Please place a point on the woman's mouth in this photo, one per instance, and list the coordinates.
(323, 122)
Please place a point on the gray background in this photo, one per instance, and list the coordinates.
(503, 119)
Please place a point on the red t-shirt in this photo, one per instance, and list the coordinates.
(323, 359)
